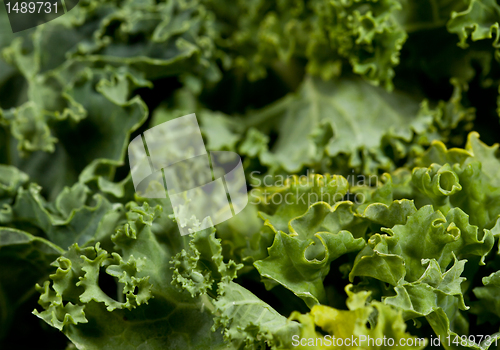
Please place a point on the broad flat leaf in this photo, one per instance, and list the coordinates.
(352, 109)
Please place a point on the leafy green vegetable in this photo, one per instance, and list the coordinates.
(357, 324)
(358, 124)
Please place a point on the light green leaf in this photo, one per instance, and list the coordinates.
(352, 324)
(427, 234)
(301, 259)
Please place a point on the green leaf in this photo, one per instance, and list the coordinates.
(247, 321)
(352, 324)
(476, 167)
(301, 259)
(147, 310)
(479, 21)
(292, 197)
(487, 308)
(427, 234)
(70, 220)
(199, 268)
(25, 260)
(11, 179)
(432, 290)
(364, 34)
(390, 215)
(352, 109)
(437, 183)
(441, 325)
